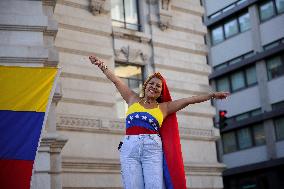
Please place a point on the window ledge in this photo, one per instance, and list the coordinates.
(130, 34)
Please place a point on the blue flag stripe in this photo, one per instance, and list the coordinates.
(19, 134)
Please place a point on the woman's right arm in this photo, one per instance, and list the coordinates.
(127, 94)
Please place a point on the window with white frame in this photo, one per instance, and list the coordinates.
(125, 14)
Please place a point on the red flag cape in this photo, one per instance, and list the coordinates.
(174, 174)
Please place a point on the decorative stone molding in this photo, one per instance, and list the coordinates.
(73, 164)
(165, 15)
(74, 123)
(99, 7)
(78, 122)
(130, 54)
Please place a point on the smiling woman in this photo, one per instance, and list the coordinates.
(150, 153)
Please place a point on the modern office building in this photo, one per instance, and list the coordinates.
(246, 42)
(135, 38)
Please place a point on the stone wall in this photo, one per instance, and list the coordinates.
(27, 33)
(171, 42)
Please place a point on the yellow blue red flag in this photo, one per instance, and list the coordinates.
(25, 95)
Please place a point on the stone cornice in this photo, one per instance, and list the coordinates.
(101, 165)
(97, 125)
(72, 4)
(23, 28)
(131, 35)
(23, 60)
(52, 142)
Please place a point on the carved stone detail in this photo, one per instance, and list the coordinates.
(76, 122)
(165, 15)
(165, 4)
(131, 54)
(99, 7)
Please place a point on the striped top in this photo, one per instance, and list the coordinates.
(140, 120)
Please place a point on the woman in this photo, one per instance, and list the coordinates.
(146, 161)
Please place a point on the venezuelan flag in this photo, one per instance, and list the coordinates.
(25, 94)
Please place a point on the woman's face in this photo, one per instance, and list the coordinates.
(153, 88)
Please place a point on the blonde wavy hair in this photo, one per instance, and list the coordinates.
(155, 75)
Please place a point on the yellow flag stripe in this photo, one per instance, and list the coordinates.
(25, 88)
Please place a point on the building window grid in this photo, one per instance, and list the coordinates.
(237, 142)
(276, 12)
(224, 37)
(229, 77)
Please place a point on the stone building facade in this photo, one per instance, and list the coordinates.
(164, 36)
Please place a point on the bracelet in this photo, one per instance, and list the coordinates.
(104, 68)
(212, 95)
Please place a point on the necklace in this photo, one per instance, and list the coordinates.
(148, 102)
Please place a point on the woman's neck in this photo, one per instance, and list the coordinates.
(147, 100)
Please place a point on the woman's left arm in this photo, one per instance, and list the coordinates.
(176, 105)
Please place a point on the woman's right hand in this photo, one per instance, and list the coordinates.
(94, 60)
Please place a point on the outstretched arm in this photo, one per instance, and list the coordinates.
(176, 105)
(127, 94)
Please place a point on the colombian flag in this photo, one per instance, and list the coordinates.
(25, 95)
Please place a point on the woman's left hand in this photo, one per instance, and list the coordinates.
(220, 95)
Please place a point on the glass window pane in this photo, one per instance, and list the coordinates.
(238, 81)
(258, 132)
(275, 67)
(231, 28)
(229, 142)
(117, 10)
(251, 75)
(280, 6)
(217, 35)
(244, 21)
(266, 11)
(279, 127)
(223, 84)
(244, 138)
(131, 12)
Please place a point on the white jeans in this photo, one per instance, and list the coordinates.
(141, 158)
